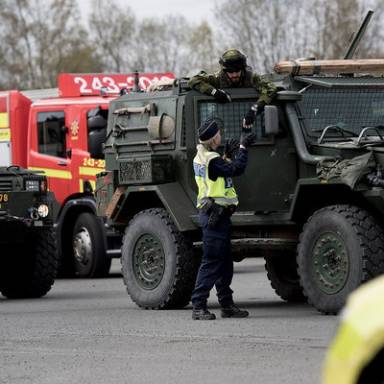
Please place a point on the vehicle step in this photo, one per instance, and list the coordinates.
(259, 243)
(114, 252)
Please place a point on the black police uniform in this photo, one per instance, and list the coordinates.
(216, 267)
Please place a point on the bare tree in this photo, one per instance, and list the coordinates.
(274, 30)
(339, 20)
(152, 44)
(39, 39)
(201, 49)
(162, 44)
(267, 31)
(113, 32)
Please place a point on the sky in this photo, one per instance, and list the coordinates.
(194, 10)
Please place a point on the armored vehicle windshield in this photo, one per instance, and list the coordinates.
(343, 107)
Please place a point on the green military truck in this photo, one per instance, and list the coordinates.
(311, 199)
(28, 260)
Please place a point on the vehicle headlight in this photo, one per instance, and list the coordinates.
(43, 210)
(32, 185)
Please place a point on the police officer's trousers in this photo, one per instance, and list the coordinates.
(216, 267)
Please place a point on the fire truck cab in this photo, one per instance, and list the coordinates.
(61, 132)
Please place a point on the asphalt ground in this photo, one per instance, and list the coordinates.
(89, 331)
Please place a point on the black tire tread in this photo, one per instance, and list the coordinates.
(184, 280)
(371, 238)
(101, 261)
(103, 264)
(36, 279)
(292, 293)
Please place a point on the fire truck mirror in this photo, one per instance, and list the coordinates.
(96, 122)
(69, 153)
(97, 131)
(96, 138)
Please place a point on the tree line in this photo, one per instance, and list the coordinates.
(41, 38)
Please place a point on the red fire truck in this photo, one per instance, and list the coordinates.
(62, 135)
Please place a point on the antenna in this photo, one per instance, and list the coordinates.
(357, 36)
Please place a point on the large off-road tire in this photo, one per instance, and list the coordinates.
(340, 247)
(29, 270)
(158, 263)
(281, 270)
(90, 258)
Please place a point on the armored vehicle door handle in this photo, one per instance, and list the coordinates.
(62, 163)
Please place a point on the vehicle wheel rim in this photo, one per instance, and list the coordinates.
(330, 263)
(82, 247)
(148, 261)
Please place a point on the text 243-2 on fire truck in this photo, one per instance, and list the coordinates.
(60, 132)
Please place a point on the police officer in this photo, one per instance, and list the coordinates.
(216, 201)
(234, 73)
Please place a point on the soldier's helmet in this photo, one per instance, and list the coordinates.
(233, 60)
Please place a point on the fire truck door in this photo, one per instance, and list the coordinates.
(49, 150)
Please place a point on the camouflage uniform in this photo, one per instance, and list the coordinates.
(206, 83)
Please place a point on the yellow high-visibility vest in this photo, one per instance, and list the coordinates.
(360, 336)
(221, 190)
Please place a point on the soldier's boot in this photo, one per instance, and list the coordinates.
(233, 311)
(202, 314)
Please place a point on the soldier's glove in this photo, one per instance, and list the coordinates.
(231, 147)
(247, 139)
(249, 118)
(221, 96)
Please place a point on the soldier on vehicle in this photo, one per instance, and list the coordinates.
(217, 200)
(234, 73)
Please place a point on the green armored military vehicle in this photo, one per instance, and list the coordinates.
(28, 260)
(311, 199)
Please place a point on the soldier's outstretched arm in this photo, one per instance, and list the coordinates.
(204, 82)
(267, 90)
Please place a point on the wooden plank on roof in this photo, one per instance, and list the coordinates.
(313, 67)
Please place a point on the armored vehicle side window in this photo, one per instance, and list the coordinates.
(51, 133)
(349, 108)
(232, 114)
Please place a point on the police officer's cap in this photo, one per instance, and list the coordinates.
(233, 60)
(208, 129)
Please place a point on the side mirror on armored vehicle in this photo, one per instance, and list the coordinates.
(271, 120)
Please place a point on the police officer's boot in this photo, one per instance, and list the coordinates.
(202, 314)
(233, 311)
